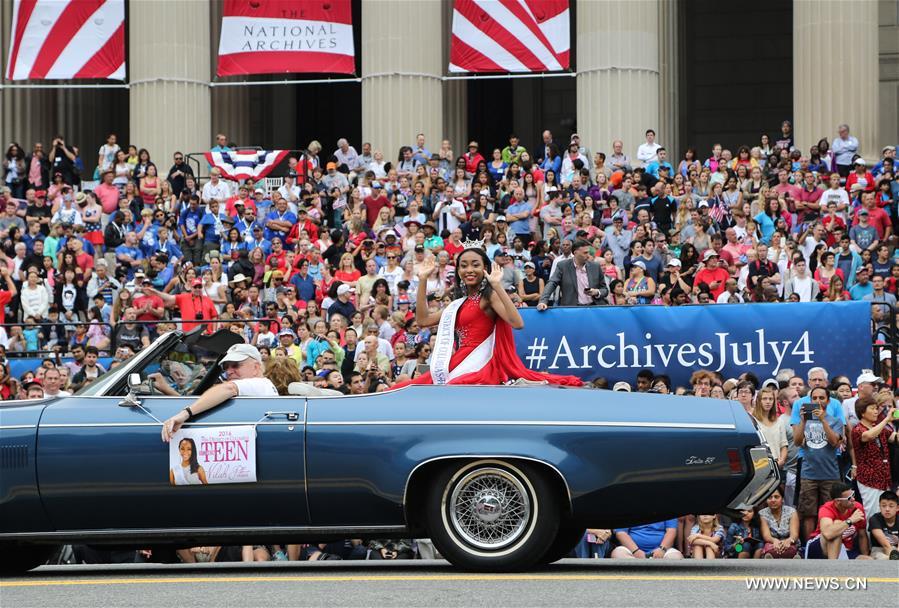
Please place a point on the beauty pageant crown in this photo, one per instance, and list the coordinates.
(472, 244)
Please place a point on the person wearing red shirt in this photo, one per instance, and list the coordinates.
(303, 223)
(877, 217)
(472, 158)
(149, 306)
(787, 190)
(6, 294)
(712, 275)
(195, 307)
(243, 196)
(374, 202)
(808, 205)
(871, 439)
(832, 223)
(841, 527)
(860, 176)
(278, 257)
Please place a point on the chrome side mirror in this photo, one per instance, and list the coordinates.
(136, 387)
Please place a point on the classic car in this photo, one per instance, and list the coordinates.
(499, 477)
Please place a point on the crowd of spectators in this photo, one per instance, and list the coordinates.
(320, 271)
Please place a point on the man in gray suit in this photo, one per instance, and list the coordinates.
(580, 280)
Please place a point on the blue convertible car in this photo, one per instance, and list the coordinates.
(500, 478)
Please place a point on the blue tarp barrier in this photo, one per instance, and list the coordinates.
(617, 342)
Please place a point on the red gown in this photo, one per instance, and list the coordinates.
(473, 326)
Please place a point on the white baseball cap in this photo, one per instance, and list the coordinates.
(622, 387)
(867, 376)
(241, 352)
(342, 289)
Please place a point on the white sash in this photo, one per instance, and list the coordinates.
(443, 348)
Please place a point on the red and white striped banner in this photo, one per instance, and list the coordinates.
(278, 36)
(510, 36)
(66, 39)
(239, 165)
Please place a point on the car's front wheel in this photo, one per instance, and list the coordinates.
(492, 515)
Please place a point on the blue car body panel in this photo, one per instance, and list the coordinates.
(618, 453)
(83, 463)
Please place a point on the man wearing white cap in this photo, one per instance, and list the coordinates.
(866, 385)
(242, 365)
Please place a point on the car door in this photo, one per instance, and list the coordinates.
(101, 465)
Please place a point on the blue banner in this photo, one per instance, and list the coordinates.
(617, 342)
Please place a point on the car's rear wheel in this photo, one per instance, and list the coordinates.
(568, 536)
(18, 559)
(492, 515)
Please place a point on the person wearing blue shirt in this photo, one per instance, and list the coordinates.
(820, 434)
(163, 271)
(519, 215)
(303, 281)
(128, 255)
(189, 225)
(661, 161)
(149, 243)
(817, 377)
(553, 160)
(279, 221)
(255, 239)
(863, 286)
(164, 244)
(654, 540)
(212, 227)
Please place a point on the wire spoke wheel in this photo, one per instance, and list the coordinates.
(489, 508)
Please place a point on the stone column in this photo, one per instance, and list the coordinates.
(402, 67)
(835, 72)
(670, 76)
(230, 106)
(169, 71)
(618, 73)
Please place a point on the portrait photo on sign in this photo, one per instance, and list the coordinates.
(213, 455)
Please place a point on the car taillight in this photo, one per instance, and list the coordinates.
(734, 460)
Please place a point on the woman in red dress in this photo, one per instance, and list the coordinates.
(474, 336)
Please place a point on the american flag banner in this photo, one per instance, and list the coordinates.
(241, 165)
(286, 36)
(63, 39)
(510, 36)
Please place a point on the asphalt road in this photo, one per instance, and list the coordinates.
(436, 584)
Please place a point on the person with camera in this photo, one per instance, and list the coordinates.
(62, 159)
(580, 280)
(871, 439)
(195, 306)
(819, 433)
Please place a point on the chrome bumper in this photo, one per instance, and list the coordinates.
(765, 478)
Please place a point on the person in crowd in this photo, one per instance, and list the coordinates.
(655, 540)
(871, 439)
(841, 528)
(819, 433)
(884, 528)
(578, 280)
(779, 528)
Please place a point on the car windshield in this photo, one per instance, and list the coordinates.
(176, 363)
